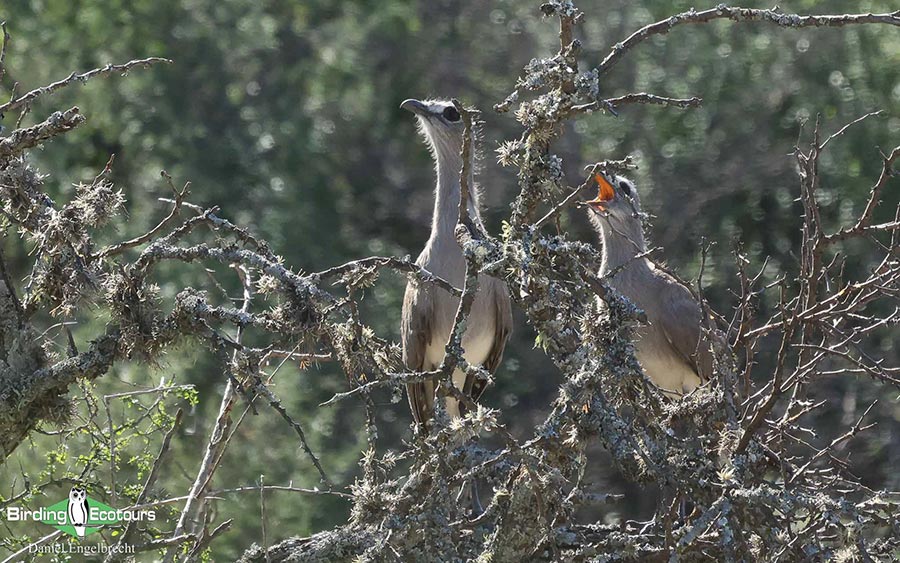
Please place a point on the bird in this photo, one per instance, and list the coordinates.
(428, 310)
(671, 347)
(77, 510)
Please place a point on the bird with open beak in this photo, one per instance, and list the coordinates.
(672, 347)
(429, 311)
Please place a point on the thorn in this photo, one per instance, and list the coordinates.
(72, 349)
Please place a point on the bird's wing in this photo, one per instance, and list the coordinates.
(415, 332)
(475, 387)
(682, 326)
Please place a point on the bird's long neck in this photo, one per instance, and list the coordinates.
(622, 243)
(447, 194)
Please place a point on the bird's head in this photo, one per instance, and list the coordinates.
(440, 123)
(617, 199)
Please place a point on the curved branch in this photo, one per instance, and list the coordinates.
(739, 15)
(26, 100)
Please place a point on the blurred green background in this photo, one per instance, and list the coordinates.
(285, 114)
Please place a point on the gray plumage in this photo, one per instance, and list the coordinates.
(672, 348)
(428, 311)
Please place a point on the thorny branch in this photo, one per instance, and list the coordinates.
(56, 124)
(27, 99)
(739, 15)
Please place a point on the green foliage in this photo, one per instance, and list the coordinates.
(285, 114)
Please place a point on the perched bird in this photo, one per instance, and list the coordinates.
(428, 311)
(672, 348)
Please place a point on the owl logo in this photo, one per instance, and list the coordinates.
(77, 510)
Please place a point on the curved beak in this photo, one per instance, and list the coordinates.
(415, 106)
(605, 193)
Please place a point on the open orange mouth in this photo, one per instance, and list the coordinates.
(605, 193)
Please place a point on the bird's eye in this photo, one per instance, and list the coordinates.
(450, 114)
(626, 188)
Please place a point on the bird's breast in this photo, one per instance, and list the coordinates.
(667, 372)
(478, 338)
(665, 368)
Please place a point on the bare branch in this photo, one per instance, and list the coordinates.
(120, 247)
(611, 104)
(27, 99)
(739, 15)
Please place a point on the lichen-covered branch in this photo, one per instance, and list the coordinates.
(740, 15)
(25, 100)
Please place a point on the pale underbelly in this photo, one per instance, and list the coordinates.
(674, 377)
(476, 348)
